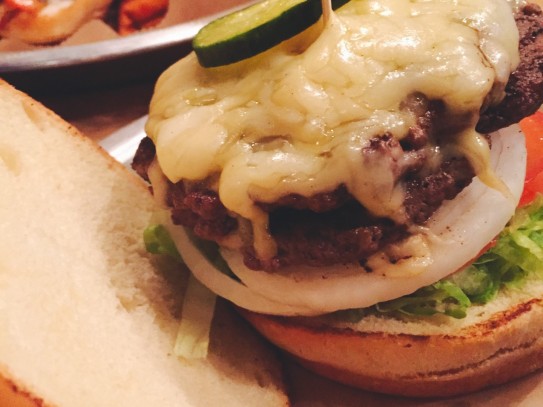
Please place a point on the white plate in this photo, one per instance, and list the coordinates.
(123, 143)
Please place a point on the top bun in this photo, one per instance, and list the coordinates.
(87, 318)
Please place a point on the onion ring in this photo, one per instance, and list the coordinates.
(223, 285)
(462, 227)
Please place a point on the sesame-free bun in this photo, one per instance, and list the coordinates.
(52, 23)
(440, 357)
(86, 316)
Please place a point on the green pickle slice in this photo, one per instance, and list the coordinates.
(254, 29)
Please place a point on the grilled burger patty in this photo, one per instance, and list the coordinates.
(525, 87)
(332, 227)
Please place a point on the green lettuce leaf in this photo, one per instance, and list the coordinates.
(158, 241)
(518, 253)
(443, 297)
(211, 251)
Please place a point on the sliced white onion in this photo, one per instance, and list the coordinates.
(222, 284)
(461, 228)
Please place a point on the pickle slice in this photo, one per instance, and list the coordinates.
(254, 29)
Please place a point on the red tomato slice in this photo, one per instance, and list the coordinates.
(532, 128)
(488, 246)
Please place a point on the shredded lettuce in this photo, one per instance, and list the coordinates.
(443, 297)
(518, 253)
(198, 307)
(192, 340)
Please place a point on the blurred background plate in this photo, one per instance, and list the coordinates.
(134, 58)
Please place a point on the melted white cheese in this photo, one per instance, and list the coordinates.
(322, 106)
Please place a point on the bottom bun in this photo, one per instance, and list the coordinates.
(469, 356)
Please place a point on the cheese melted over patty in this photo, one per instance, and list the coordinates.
(295, 119)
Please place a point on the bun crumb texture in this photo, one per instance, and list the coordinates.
(87, 317)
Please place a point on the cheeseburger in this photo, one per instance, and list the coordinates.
(342, 188)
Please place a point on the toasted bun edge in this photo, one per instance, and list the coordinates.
(505, 347)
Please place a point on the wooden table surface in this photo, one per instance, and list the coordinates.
(98, 113)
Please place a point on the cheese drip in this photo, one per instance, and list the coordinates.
(295, 119)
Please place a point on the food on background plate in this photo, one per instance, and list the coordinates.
(135, 15)
(46, 22)
(50, 22)
(88, 318)
(31, 24)
(354, 189)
